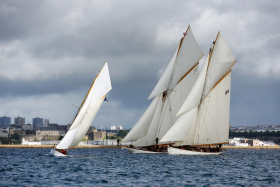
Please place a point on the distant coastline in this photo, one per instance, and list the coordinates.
(51, 146)
(118, 147)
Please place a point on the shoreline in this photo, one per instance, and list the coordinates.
(51, 146)
(119, 147)
(251, 147)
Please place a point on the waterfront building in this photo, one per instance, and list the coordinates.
(4, 134)
(46, 122)
(97, 135)
(38, 122)
(47, 133)
(253, 142)
(19, 121)
(5, 121)
(267, 143)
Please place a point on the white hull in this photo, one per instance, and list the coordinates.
(56, 153)
(133, 150)
(176, 151)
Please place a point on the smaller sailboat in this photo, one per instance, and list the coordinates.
(86, 114)
(203, 123)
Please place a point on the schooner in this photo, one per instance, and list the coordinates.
(203, 123)
(168, 96)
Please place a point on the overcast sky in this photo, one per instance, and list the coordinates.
(51, 51)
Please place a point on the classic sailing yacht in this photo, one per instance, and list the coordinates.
(204, 116)
(169, 94)
(86, 114)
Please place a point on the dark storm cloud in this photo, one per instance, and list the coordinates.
(52, 49)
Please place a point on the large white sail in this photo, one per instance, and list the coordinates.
(181, 128)
(174, 100)
(194, 96)
(150, 136)
(142, 126)
(88, 111)
(212, 125)
(221, 61)
(188, 55)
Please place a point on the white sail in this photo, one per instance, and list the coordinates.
(194, 96)
(88, 111)
(68, 138)
(149, 138)
(181, 128)
(188, 55)
(221, 60)
(164, 80)
(142, 126)
(212, 125)
(174, 100)
(74, 129)
(102, 85)
(87, 121)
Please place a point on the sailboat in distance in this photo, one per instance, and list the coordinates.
(169, 94)
(203, 123)
(86, 114)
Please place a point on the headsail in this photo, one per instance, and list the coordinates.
(101, 86)
(142, 126)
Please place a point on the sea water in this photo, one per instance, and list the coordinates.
(116, 167)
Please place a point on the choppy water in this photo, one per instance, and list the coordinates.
(115, 167)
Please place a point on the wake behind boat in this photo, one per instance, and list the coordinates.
(86, 114)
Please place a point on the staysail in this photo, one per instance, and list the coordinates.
(169, 93)
(101, 86)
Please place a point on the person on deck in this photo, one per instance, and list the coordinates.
(157, 143)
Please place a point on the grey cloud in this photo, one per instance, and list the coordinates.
(66, 44)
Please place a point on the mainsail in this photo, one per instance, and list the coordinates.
(169, 93)
(85, 116)
(204, 118)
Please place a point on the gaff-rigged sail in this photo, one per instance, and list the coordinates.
(210, 124)
(88, 111)
(170, 92)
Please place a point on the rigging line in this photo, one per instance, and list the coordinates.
(211, 119)
(163, 113)
(165, 66)
(137, 114)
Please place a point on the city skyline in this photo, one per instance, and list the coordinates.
(51, 52)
